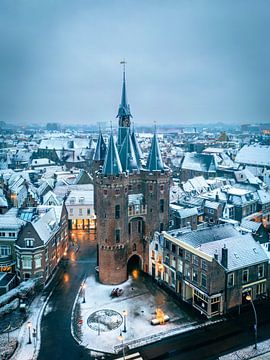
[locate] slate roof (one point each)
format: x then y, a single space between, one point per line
100 151
264 197
127 155
250 225
184 212
9 220
211 204
112 164
254 155
243 251
154 161
213 233
199 162
48 223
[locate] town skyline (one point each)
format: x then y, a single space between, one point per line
186 62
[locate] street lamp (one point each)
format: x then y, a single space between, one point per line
29 324
125 314
121 338
83 289
249 298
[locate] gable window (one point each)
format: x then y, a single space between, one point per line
80 212
29 243
230 280
71 211
260 271
245 276
117 211
117 235
88 212
173 248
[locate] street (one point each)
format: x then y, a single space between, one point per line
56 340
205 343
211 342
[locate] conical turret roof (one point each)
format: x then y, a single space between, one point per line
100 151
112 164
154 161
127 155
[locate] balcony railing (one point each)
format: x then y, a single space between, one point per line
137 210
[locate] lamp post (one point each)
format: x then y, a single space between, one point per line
121 338
125 314
249 298
83 292
29 324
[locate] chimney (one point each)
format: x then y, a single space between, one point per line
224 256
216 255
217 197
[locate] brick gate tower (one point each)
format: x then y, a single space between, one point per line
131 200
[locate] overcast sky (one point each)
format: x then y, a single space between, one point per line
187 61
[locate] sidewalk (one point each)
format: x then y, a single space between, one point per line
26 350
261 353
98 319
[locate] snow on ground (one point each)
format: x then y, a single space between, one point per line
140 299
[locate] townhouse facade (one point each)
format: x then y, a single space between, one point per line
42 243
213 269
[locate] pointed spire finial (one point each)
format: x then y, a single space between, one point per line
123 62
124 114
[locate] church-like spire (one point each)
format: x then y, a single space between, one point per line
124 114
154 161
100 151
112 164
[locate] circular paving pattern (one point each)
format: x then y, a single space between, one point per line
104 320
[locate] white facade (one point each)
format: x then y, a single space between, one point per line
80 208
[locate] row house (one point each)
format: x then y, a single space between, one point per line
42 243
10 227
213 269
80 208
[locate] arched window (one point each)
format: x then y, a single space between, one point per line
134 247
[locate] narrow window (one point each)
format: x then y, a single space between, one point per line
117 235
117 211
